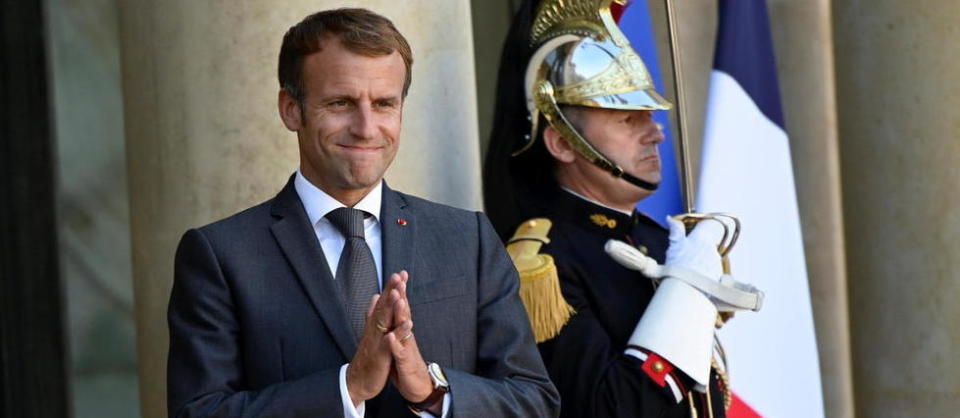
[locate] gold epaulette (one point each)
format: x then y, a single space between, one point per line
546 308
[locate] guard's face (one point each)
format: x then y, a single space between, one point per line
349 127
628 137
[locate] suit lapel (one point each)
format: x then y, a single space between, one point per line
399 229
296 238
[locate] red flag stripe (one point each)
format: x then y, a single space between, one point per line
740 409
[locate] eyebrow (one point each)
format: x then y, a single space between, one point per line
337 97
389 98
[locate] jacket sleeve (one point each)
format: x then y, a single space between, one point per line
510 379
594 375
205 375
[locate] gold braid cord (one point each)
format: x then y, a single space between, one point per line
725 383
708 397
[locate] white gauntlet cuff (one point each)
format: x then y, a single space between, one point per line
679 325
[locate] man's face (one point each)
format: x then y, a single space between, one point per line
629 138
349 127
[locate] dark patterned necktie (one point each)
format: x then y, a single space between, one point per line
356 272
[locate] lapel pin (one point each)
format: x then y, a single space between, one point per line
401 222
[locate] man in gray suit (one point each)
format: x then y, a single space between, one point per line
278 310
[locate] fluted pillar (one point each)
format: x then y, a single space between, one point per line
897 92
204 139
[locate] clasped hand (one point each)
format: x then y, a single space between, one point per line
694 260
388 349
697 251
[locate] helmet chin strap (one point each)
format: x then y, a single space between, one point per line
615 170
643 184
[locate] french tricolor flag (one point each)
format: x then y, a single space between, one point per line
746 170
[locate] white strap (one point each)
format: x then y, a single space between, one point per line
735 296
727 294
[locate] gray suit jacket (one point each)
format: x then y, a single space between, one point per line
256 328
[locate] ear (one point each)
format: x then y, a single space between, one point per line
558 147
289 109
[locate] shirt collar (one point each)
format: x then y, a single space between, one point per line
318 203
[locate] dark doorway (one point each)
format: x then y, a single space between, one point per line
32 363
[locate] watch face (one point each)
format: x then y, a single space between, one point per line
438 375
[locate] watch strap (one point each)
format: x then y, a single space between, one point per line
440 388
435 397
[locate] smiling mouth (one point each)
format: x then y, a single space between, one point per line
359 148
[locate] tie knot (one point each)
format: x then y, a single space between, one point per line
348 221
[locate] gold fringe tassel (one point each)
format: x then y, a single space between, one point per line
546 308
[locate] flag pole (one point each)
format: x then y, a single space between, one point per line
686 176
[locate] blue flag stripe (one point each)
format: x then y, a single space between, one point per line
745 52
636 25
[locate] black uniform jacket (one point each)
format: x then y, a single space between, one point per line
586 360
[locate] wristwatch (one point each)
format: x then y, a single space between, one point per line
440 388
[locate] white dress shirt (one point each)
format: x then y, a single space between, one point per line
318 204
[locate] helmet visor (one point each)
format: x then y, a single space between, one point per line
645 99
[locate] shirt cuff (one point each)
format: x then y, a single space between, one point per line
349 411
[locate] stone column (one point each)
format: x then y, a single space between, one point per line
204 139
803 42
897 93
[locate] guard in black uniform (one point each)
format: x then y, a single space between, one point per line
587 359
573 149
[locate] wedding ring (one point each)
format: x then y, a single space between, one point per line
382 328
406 337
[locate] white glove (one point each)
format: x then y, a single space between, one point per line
678 324
698 251
694 260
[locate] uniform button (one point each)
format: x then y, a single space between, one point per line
658 367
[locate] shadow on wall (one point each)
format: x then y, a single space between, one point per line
92 208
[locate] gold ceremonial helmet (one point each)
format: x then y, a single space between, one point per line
583 59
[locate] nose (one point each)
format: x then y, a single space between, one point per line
657 136
651 131
364 124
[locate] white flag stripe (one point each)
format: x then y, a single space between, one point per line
747 171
